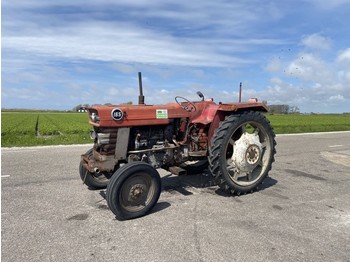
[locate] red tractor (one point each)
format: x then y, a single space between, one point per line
234 141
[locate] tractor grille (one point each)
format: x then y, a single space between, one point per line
105 141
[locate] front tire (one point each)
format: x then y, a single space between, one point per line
133 190
242 152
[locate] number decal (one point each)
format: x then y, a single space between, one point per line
117 114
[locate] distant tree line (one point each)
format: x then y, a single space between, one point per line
78 107
283 109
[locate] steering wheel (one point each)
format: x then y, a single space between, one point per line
185 107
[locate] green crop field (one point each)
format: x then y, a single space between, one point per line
43 128
286 124
28 128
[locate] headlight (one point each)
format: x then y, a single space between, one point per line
93 134
94 117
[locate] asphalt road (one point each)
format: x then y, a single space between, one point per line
301 212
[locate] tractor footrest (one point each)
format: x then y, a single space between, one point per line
177 171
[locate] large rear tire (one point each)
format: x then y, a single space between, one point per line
133 191
242 152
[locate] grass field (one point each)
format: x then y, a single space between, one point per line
43 128
28 128
286 124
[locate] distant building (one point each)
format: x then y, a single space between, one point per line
82 110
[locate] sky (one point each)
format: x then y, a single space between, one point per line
58 54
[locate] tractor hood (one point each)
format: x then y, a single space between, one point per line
134 115
140 115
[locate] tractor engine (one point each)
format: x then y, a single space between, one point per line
159 145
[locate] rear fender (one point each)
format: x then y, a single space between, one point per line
229 109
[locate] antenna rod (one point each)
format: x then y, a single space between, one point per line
141 97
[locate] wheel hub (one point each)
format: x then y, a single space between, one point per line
136 192
252 154
247 152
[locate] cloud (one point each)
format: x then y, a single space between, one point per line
310 67
316 41
274 65
161 32
337 98
122 43
316 98
344 56
331 4
314 79
124 68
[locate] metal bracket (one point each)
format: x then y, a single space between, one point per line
121 145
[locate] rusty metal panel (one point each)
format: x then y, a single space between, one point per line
121 145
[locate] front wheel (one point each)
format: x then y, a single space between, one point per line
242 151
133 191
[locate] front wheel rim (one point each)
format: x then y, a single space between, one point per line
137 192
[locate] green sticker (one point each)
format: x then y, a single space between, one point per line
162 113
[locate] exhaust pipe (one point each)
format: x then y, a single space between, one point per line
141 97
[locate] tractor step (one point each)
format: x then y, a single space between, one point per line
177 171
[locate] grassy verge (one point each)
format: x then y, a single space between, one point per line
31 140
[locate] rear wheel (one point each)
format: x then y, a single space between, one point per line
242 151
93 180
133 190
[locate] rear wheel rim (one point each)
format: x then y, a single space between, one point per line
254 156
